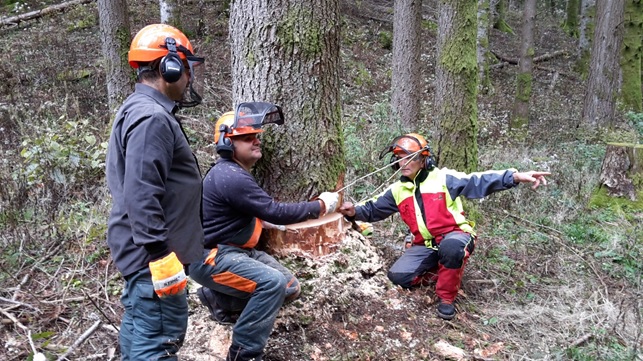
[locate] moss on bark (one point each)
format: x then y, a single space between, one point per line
631 51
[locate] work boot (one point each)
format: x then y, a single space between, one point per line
237 353
217 314
446 310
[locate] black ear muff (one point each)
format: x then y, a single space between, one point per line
224 144
429 160
171 66
393 161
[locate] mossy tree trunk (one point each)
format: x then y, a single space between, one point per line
571 20
115 39
603 82
287 52
405 77
456 85
520 119
631 56
622 170
585 34
482 46
500 22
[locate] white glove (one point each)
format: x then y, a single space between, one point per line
330 200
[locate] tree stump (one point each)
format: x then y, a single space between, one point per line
622 170
318 237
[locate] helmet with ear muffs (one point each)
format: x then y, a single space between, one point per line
408 144
249 118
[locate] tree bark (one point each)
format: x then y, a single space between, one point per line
571 21
482 46
631 53
456 85
500 22
405 79
520 118
287 52
115 40
603 84
622 170
585 34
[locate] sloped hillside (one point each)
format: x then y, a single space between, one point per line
556 274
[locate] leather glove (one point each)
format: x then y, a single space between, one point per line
168 276
330 200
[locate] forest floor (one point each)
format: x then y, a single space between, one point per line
530 292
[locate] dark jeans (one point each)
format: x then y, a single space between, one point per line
152 328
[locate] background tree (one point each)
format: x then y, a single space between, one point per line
287 52
520 118
500 13
170 12
571 20
456 85
482 46
602 86
631 55
115 39
585 34
405 77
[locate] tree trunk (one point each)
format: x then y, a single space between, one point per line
115 39
600 99
171 12
571 21
482 46
520 118
585 34
315 237
456 85
631 52
287 52
622 170
405 78
501 14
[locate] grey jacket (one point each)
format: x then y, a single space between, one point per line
155 184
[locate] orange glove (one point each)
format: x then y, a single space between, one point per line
168 276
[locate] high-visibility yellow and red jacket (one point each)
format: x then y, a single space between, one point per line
430 204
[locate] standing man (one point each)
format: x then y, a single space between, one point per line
154 229
238 278
427 199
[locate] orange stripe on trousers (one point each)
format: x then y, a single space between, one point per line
235 281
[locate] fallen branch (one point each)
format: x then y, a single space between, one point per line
581 340
538 59
80 340
15 20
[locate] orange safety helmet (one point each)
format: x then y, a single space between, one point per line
226 122
409 143
149 44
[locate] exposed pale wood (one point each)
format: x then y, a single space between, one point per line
623 163
15 20
316 236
